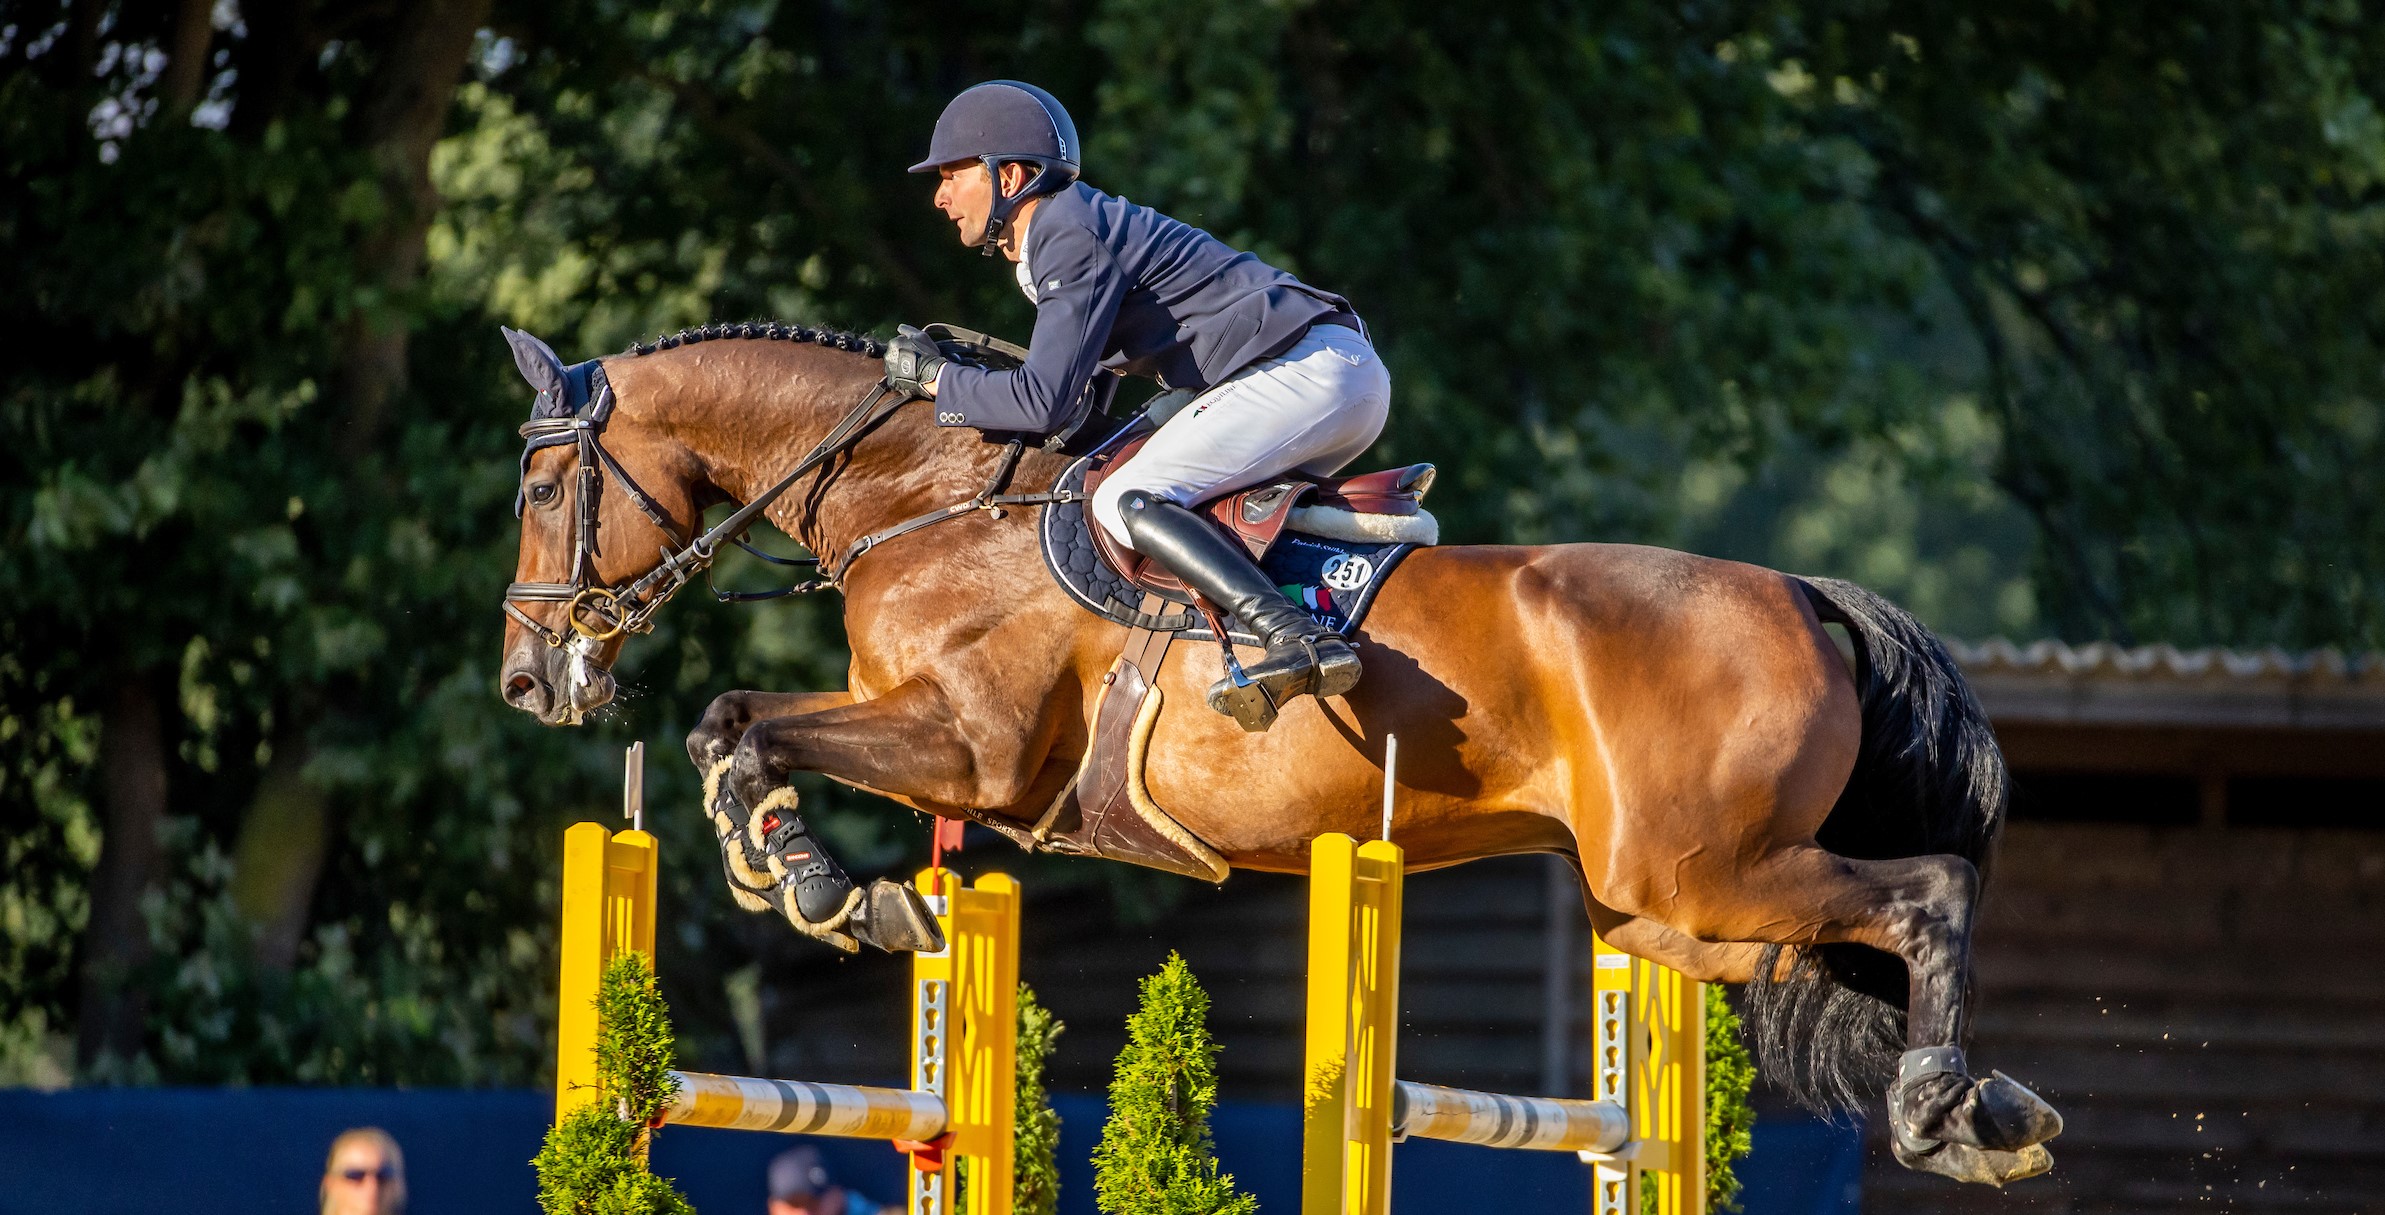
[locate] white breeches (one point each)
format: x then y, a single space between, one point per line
1314 408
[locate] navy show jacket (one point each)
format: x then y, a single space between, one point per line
1124 288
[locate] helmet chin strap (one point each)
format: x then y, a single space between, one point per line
997 218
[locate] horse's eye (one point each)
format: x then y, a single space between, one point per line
543 492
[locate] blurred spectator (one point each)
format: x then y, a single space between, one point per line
365 1174
800 1185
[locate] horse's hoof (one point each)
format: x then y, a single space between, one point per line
1997 1114
2011 1117
839 930
1980 1166
896 919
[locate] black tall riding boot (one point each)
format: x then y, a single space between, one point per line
1303 657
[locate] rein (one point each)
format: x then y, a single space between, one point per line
630 609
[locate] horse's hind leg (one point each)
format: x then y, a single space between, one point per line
1704 961
1919 909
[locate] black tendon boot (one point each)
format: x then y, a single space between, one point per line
813 892
741 859
1303 657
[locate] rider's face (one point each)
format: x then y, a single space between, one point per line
965 193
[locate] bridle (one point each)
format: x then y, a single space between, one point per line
598 611
619 609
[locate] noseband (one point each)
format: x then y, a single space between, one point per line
601 611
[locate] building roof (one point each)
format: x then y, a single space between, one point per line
2050 682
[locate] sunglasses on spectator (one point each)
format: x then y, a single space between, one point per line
357 1176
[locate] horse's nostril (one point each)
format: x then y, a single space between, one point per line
519 685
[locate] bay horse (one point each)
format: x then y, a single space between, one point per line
1741 804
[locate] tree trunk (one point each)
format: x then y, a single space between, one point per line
72 58
279 855
403 116
187 60
285 835
132 759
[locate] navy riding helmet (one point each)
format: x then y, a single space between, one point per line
999 122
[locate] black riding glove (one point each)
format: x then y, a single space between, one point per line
912 361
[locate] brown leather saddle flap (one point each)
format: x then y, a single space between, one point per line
1105 811
1257 515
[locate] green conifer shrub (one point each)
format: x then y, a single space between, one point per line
1035 1130
1155 1155
1035 1164
1730 1119
594 1161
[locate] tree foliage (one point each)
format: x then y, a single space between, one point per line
1035 1164
594 1160
1155 1156
2040 318
1730 1117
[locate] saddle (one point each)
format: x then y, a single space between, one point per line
1329 542
1361 508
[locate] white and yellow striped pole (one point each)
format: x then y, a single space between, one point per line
799 1107
1551 1124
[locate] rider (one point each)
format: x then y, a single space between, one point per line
1285 376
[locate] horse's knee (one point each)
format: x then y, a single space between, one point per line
752 770
717 733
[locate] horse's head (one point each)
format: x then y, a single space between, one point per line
604 496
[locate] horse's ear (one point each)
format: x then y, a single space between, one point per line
536 359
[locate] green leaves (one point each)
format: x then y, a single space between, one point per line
2040 319
594 1161
1035 1164
1730 1119
1155 1155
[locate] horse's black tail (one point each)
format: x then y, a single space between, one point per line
1928 779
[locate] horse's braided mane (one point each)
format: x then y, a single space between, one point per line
776 331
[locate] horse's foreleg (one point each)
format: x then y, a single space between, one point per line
710 746
907 743
725 721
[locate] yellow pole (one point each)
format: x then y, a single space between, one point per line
1351 1054
608 907
1614 1182
964 1041
964 1024
1325 1070
1650 1031
1671 1105
1650 1064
